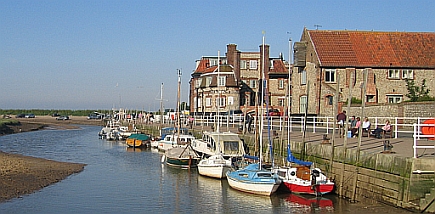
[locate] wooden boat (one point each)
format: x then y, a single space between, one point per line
182 157
138 140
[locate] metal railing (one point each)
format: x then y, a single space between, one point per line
401 126
418 135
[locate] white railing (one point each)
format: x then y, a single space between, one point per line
418 135
325 125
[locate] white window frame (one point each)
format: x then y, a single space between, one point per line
220 101
208 101
407 74
199 102
253 83
396 98
222 81
213 62
281 83
253 64
208 81
198 82
281 101
242 64
393 74
302 104
304 77
230 100
330 75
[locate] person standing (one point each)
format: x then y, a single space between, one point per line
341 118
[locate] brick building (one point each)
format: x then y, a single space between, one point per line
323 58
236 82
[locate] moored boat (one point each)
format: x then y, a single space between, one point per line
215 166
183 157
138 140
227 144
254 179
303 179
174 140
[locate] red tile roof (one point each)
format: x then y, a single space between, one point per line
374 49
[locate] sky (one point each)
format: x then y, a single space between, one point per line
103 54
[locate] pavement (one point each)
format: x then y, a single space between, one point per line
402 145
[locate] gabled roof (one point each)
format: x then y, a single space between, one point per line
278 67
374 49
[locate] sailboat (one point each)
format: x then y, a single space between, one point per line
182 155
218 148
254 178
303 179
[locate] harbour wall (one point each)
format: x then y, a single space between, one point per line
359 175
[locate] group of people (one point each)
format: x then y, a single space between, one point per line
355 123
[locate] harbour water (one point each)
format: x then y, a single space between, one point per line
121 180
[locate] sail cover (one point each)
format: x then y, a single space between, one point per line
293 159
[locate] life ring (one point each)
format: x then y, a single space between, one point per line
429 130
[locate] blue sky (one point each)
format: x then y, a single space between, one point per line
99 54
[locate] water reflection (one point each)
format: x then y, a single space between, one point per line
120 180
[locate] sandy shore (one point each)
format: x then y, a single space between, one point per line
21 175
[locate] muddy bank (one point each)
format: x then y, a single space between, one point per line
21 175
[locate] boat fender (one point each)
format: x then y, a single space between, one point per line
163 159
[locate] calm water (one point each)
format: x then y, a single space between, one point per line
118 180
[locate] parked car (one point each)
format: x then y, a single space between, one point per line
20 116
29 116
62 118
94 117
274 112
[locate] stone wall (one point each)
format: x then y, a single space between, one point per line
405 109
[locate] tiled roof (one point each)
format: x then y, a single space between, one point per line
203 67
374 49
278 67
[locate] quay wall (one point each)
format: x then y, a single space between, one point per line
387 178
404 109
384 177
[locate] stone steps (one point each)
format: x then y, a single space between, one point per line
427 204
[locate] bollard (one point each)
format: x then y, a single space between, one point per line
387 147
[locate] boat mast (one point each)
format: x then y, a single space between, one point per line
262 109
219 94
178 103
161 107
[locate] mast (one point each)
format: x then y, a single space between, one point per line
178 103
161 107
261 103
219 94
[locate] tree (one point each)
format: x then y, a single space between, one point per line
418 93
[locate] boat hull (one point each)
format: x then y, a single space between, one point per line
215 171
318 189
253 187
182 162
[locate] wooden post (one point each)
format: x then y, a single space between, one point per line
346 125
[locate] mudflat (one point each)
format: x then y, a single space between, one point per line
21 175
